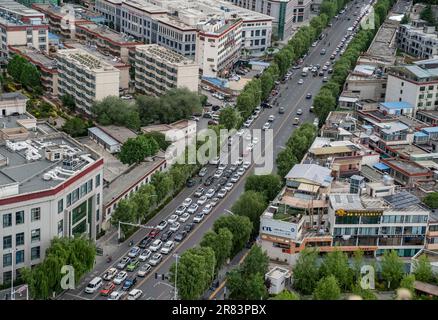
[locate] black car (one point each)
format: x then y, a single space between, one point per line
199 192
207 115
215 108
228 173
180 236
145 242
166 236
209 181
188 227
190 183
222 181
266 105
207 104
309 96
233 167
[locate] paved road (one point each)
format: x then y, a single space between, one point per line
292 97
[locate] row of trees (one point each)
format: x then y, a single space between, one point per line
325 101
135 150
260 88
45 278
296 147
328 278
174 105
25 73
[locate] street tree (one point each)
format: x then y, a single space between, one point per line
335 264
392 269
163 184
221 243
269 185
306 272
423 269
243 287
286 159
327 289
240 227
256 261
229 117
286 295
250 204
126 211
135 150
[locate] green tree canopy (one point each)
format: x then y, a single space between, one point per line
135 150
431 200
423 269
250 204
335 263
392 269
221 243
229 118
113 110
269 185
75 126
286 295
240 227
327 289
306 272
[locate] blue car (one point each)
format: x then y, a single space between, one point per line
129 283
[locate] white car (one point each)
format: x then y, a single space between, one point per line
193 208
214 202
240 132
246 164
172 218
115 295
175 226
222 166
207 209
156 245
255 140
271 118
145 255
299 112
180 210
218 174
156 259
144 270
247 124
248 137
168 246
239 161
210 193
315 44
110 274
235 178
121 276
198 218
162 225
222 192
187 202
135 294
229 186
214 160
135 251
301 81
266 126
202 200
184 217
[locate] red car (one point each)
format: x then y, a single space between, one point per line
106 291
154 233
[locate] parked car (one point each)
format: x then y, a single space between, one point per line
180 236
166 236
184 217
281 110
110 274
180 210
123 263
207 209
172 218
135 251
145 254
214 201
235 178
156 245
193 208
156 259
198 218
162 225
190 183
175 226
168 246
199 192
135 294
210 193
299 112
246 165
222 192
187 202
115 295
202 172
218 174
309 96
229 186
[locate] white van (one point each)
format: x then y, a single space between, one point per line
94 285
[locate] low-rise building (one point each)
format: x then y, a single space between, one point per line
339 125
407 172
418 39
366 82
110 137
158 69
86 78
13 103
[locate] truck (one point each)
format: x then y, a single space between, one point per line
305 71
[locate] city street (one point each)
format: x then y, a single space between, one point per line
292 97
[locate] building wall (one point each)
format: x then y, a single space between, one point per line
107 84
8 107
188 77
417 43
368 89
54 220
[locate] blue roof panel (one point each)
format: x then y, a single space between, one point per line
381 166
397 105
430 130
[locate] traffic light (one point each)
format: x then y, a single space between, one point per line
162 277
156 275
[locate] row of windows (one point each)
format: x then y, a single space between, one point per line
78 193
417 230
383 219
19 239
35 253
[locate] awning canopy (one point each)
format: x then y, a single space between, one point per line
308 187
381 166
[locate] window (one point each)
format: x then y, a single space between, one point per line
83 190
7 242
60 227
89 186
98 199
35 253
68 199
19 256
7 260
422 88
60 205
35 214
35 235
19 239
19 217
97 215
7 220
97 180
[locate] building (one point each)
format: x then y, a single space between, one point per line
86 78
51 186
29 3
13 103
110 137
339 125
287 15
407 172
418 39
158 69
46 66
416 84
279 278
396 108
21 26
366 82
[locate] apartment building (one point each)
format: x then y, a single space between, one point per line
158 69
418 39
416 84
287 15
21 26
366 82
45 64
51 186
86 78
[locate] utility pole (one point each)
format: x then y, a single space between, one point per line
131 224
176 276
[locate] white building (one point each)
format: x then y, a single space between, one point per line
50 186
418 39
21 26
12 103
287 14
86 78
416 84
158 69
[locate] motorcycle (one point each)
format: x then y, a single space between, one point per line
109 259
131 243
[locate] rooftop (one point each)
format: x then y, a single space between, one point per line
86 60
91 49
31 169
13 13
383 42
409 167
36 57
120 134
397 105
105 32
392 127
430 113
164 54
311 172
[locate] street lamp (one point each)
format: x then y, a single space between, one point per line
133 225
176 275
228 211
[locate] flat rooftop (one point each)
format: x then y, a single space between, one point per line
164 54
120 134
383 43
13 121
430 113
407 150
408 166
37 57
105 32
17 8
86 60
27 165
111 60
371 174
